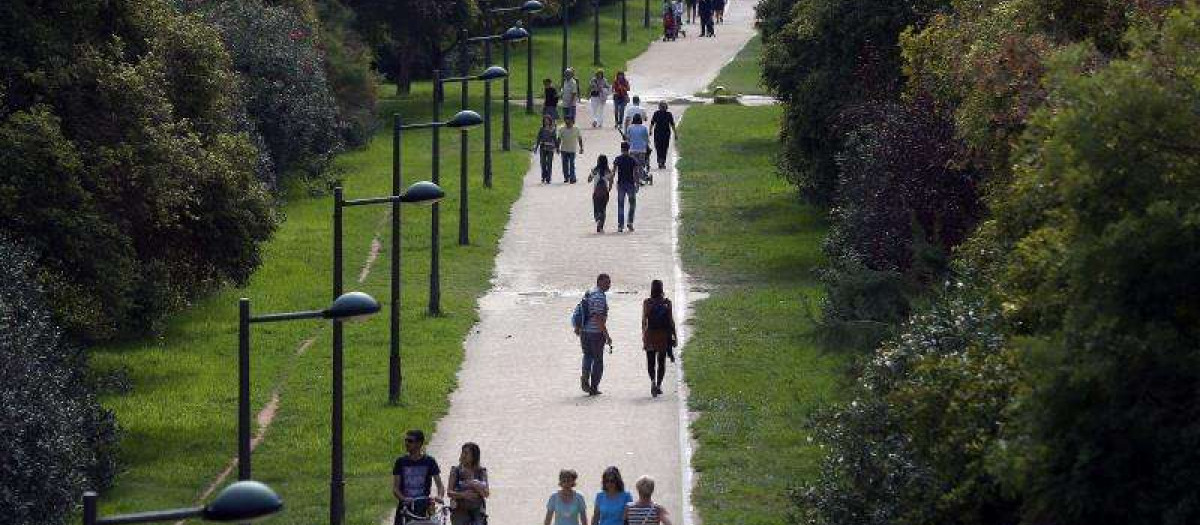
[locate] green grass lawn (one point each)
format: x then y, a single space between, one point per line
179 419
753 367
743 74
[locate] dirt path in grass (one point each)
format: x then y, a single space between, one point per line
518 395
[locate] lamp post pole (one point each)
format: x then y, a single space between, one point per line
506 136
395 366
337 483
435 235
463 213
487 115
565 12
646 19
529 68
244 389
624 21
595 32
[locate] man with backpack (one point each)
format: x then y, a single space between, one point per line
591 325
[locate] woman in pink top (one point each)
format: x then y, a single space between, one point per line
620 90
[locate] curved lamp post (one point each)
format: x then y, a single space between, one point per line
463 119
346 307
488 75
595 32
529 8
419 193
244 501
513 33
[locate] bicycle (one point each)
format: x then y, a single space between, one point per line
438 512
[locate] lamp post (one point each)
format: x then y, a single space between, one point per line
595 32
512 34
646 20
464 119
241 501
419 193
564 11
488 75
624 21
346 307
529 7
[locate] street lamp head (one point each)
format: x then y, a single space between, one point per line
243 502
492 73
423 192
464 119
353 306
514 34
532 6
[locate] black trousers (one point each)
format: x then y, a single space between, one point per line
661 143
656 365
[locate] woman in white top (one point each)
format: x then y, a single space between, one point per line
645 511
598 90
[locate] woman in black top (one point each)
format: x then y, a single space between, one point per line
662 125
602 177
549 100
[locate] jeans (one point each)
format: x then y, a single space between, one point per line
593 357
600 209
569 111
550 111
619 106
568 166
547 158
623 191
655 357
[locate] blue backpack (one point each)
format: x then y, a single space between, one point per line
580 315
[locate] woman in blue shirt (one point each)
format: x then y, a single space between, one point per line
610 502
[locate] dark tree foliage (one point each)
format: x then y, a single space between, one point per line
1097 246
412 37
121 162
833 54
57 440
901 206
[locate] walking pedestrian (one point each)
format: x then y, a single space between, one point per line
545 145
706 17
570 143
549 100
570 93
719 10
620 87
412 477
633 110
662 126
593 334
638 136
566 507
468 488
609 508
601 189
691 11
598 90
645 511
677 12
627 186
658 335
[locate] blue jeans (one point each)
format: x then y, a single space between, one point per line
623 191
547 158
593 357
568 165
619 108
569 111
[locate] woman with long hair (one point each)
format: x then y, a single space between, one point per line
609 508
602 179
468 488
620 91
598 90
658 335
546 144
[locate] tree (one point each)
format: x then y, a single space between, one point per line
412 36
122 166
57 439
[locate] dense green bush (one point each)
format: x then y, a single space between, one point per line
283 83
57 439
348 70
121 164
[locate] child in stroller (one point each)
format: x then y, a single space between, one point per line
672 20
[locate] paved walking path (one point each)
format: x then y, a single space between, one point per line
518 392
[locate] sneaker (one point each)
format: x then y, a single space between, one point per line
583 383
620 229
630 228
595 392
653 391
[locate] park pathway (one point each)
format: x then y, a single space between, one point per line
518 392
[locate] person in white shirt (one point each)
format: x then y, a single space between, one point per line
570 94
634 109
598 90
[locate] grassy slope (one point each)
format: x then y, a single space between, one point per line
741 76
180 418
754 370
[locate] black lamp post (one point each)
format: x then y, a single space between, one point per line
513 33
346 307
624 21
489 74
646 20
243 501
464 119
595 32
529 7
419 193
564 11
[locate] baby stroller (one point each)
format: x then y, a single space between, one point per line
670 25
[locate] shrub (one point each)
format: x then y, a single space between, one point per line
58 441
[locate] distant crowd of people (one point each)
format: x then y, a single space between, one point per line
464 496
631 168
